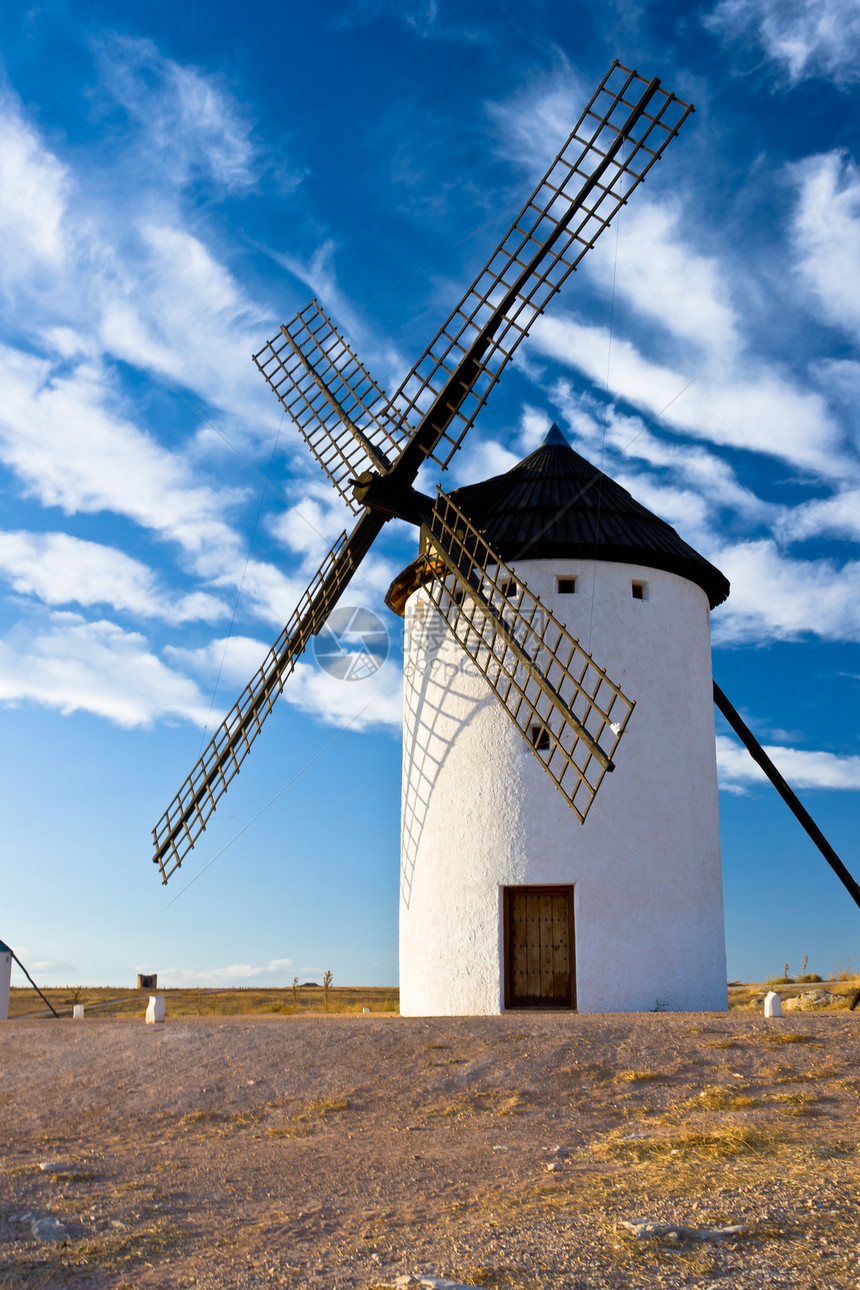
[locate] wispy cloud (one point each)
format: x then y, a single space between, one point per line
40 968
372 702
826 235
669 282
33 192
748 406
318 273
103 462
427 19
188 121
805 38
836 516
706 481
532 123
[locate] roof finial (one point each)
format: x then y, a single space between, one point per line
554 438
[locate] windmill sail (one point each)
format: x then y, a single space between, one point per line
351 429
332 398
566 707
622 132
187 816
340 410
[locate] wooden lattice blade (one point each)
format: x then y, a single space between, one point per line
623 131
332 398
570 713
187 816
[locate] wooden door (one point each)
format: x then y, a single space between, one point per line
539 958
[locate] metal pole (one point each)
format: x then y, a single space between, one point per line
759 755
33 984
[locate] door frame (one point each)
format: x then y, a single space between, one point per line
549 889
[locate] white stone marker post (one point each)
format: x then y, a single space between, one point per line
78 1014
155 1009
5 979
772 1004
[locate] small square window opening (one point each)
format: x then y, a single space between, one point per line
639 590
508 588
540 738
567 586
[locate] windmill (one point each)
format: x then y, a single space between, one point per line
371 448
552 696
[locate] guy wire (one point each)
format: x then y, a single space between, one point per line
603 435
271 802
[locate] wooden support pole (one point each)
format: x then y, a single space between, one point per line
759 756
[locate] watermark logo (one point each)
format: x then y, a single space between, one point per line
353 644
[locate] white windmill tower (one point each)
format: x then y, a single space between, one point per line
549 693
507 899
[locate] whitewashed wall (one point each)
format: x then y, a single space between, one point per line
479 813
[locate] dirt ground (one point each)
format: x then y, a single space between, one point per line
352 1150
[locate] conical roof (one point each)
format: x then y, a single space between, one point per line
555 503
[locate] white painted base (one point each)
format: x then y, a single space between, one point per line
5 980
480 814
155 1008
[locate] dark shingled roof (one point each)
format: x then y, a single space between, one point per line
555 503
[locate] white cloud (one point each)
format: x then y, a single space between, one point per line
33 191
135 286
40 968
826 235
801 768
616 439
235 658
319 275
311 527
666 280
533 123
774 597
746 407
73 449
73 666
189 121
836 516
61 436
481 459
373 703
103 263
62 570
533 429
805 37
100 264
240 972
173 309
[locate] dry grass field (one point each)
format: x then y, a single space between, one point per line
304 1000
234 1151
105 1001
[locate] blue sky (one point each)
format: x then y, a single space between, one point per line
176 182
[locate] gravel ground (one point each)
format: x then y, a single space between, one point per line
501 1151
